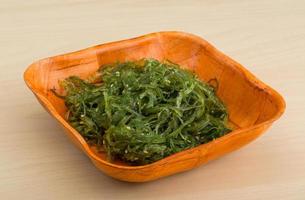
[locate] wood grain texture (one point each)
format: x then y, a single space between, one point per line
252 105
268 37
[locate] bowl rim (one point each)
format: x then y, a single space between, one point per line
254 81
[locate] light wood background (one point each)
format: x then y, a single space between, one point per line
38 162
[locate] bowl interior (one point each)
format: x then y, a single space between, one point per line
248 100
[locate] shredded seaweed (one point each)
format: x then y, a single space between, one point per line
140 112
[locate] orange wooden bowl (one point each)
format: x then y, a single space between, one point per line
253 106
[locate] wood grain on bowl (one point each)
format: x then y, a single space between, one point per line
252 105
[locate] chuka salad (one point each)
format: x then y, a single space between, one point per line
142 111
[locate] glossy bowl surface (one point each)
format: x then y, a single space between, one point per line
253 106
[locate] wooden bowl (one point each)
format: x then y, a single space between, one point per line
253 106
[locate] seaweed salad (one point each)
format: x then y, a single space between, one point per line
142 111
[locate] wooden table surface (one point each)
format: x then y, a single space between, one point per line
37 161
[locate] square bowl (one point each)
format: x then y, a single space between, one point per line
252 105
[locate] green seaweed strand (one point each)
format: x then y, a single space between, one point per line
144 111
